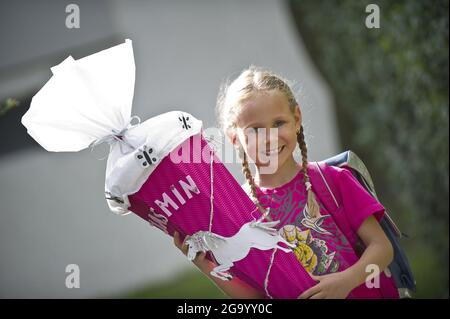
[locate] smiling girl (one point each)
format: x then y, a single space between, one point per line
262 119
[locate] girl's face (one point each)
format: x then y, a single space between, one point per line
266 128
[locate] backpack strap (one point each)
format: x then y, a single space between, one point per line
323 186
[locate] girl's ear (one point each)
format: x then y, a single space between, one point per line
232 136
234 139
239 139
298 117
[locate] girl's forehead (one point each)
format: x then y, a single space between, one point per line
262 108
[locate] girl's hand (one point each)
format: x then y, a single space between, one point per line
200 261
331 286
235 288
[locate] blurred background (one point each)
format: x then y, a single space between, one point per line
380 92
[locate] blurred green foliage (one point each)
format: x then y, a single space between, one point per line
192 285
391 91
9 104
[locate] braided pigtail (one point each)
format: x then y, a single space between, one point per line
250 181
313 207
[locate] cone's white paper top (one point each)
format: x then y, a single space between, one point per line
88 101
84 100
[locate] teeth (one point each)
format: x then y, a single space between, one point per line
274 151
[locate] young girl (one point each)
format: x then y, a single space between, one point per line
259 99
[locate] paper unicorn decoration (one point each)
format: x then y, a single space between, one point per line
227 250
163 170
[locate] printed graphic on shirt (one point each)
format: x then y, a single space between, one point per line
314 222
321 247
311 252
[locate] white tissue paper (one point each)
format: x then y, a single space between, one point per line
87 102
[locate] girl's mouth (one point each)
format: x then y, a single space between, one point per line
274 151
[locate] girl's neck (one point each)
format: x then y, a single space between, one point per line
283 175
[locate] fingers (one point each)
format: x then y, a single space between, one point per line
177 240
310 292
181 245
200 257
313 292
318 296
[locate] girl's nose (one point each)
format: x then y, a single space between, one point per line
271 136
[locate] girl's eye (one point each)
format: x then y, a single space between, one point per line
279 123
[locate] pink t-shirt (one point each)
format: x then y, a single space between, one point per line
322 247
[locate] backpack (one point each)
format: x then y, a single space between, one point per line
399 267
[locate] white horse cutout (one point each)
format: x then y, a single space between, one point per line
227 250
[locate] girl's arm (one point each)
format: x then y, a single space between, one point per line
379 251
234 288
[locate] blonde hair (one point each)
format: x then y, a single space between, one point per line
229 102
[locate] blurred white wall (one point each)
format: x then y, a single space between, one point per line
52 210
